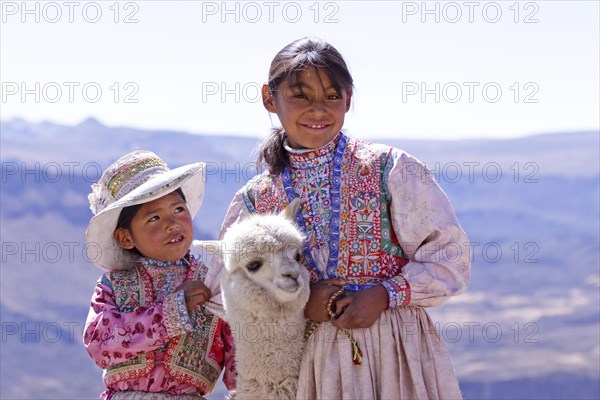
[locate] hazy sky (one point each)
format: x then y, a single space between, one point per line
451 70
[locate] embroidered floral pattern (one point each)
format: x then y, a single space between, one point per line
166 276
313 184
128 294
367 250
188 355
129 331
134 368
177 319
398 291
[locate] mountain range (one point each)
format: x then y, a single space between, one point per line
528 327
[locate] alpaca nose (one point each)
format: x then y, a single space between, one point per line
293 275
291 272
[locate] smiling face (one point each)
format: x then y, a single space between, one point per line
309 107
161 229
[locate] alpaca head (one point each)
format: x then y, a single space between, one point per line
262 254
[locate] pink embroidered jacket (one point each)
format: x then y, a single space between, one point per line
139 331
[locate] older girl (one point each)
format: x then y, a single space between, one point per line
383 241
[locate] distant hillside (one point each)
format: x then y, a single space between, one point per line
529 326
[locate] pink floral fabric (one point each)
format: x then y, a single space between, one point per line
114 336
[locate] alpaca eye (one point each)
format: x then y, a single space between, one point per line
298 257
254 265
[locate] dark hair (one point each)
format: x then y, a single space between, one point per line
303 53
127 214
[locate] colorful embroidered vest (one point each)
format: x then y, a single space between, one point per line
366 246
189 358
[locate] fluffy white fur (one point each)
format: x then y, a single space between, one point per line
265 305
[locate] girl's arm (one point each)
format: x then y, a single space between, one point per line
430 235
111 336
236 211
432 239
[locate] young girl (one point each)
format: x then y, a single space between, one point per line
383 241
147 326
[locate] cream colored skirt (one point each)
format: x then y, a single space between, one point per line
403 358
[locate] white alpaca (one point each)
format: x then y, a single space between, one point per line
265 289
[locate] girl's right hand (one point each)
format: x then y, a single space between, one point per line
195 292
320 293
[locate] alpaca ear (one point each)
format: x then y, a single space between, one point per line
291 209
210 247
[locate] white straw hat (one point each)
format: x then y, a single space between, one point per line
136 178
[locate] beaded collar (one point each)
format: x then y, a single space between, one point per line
339 145
306 158
166 276
150 262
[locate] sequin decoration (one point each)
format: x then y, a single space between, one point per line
127 173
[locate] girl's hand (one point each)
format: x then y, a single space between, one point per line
195 292
360 309
320 292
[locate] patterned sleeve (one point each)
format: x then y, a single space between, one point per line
241 205
112 337
237 210
430 235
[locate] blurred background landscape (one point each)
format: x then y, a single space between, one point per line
499 99
528 328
